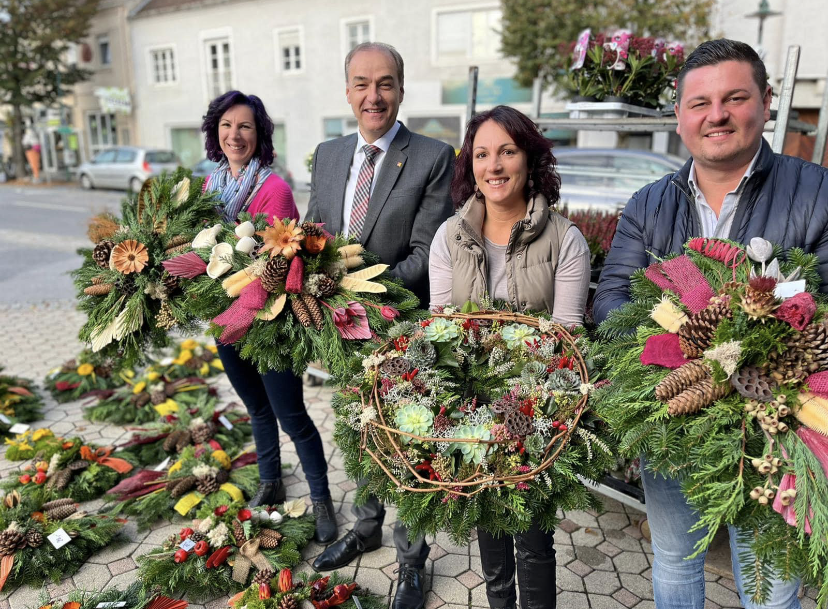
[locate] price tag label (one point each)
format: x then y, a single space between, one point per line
187 545
5 419
225 421
59 539
19 428
163 465
789 288
111 605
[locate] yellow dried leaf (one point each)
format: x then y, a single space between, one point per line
370 272
276 308
361 285
236 282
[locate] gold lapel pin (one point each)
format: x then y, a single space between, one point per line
399 164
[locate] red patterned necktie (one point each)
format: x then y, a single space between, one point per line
362 194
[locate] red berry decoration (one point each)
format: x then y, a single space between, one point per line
221 510
40 477
556 424
24 479
201 548
244 514
180 555
563 427
185 533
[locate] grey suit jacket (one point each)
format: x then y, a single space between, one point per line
410 200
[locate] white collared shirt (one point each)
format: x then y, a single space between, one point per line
711 225
356 164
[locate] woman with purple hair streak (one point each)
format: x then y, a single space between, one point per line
239 136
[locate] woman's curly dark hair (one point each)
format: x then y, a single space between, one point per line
264 126
527 137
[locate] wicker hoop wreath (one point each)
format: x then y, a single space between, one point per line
384 434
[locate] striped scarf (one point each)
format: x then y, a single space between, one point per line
236 192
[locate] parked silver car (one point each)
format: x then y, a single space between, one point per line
126 167
607 177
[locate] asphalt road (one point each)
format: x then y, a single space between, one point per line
41 229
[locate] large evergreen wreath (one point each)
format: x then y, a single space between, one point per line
288 294
479 420
88 373
19 403
709 385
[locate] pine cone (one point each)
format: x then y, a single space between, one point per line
62 478
697 396
518 423
170 282
140 400
697 334
751 382
311 229
208 356
176 241
327 287
57 503
264 576
103 371
34 538
207 485
178 248
61 512
101 253
181 486
797 361
269 539
396 366
222 476
815 337
169 442
202 433
758 299
288 602
315 310
197 536
681 378
78 465
102 289
158 397
183 441
275 273
11 542
238 533
301 311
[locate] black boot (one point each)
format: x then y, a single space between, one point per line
269 493
326 529
410 589
346 549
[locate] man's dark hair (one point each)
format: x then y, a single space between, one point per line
715 52
527 137
264 126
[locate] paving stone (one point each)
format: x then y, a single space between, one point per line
564 555
478 597
379 558
708 604
721 595
122 566
608 549
587 537
601 582
561 537
631 562
447 589
573 600
599 601
433 601
113 552
451 565
633 531
729 584
709 576
92 577
648 574
579 568
567 580
613 520
568 525
218 603
637 585
470 579
374 580
24 596
593 558
622 540
626 598
808 603
581 518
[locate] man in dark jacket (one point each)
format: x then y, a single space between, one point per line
733 187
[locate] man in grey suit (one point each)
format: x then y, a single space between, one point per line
389 188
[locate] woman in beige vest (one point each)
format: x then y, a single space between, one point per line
507 243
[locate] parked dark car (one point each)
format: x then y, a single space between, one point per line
205 167
607 177
126 167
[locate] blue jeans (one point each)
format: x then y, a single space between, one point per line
679 583
270 399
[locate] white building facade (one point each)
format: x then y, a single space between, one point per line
291 53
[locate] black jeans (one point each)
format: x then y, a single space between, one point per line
535 568
270 399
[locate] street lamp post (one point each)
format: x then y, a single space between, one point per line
763 13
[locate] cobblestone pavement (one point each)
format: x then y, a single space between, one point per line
603 561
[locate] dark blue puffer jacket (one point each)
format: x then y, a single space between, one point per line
785 201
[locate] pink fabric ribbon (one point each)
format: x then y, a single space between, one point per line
663 350
238 318
683 278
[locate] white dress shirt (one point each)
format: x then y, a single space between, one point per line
356 164
711 225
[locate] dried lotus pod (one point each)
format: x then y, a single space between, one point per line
751 382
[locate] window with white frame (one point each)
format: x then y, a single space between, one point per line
337 127
103 132
357 32
290 50
162 66
103 50
219 71
468 35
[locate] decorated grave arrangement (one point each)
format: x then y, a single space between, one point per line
48 541
289 293
148 397
478 419
200 477
284 590
82 471
228 547
122 287
40 443
722 385
133 597
191 358
226 429
87 374
19 403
